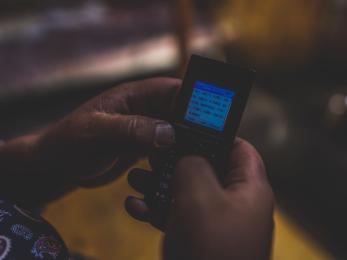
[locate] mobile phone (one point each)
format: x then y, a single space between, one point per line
206 117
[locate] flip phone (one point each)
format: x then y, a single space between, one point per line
206 117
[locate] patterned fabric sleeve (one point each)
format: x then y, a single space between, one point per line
27 236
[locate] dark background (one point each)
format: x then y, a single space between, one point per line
297 112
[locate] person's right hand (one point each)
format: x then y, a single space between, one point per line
92 145
208 221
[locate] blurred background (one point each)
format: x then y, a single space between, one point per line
54 55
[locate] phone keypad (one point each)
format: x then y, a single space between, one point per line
163 194
187 144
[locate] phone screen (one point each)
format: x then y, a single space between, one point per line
209 105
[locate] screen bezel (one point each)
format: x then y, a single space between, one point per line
218 74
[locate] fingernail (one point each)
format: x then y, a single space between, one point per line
164 135
138 202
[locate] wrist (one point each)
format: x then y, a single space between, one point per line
24 176
17 166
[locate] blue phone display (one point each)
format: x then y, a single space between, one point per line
209 105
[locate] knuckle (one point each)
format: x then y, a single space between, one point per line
132 126
256 161
139 129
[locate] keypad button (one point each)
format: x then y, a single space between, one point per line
164 185
213 156
172 153
169 166
167 175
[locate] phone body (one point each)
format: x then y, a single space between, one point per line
206 117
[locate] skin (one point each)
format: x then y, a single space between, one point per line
91 146
213 221
96 143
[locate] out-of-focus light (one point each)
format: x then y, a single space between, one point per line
337 104
227 29
278 132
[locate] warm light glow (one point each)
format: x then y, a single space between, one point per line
337 104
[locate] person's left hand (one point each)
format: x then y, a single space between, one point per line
99 140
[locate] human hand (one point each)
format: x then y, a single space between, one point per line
107 134
95 143
211 221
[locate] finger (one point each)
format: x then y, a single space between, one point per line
137 208
138 131
153 97
121 166
245 164
194 177
140 180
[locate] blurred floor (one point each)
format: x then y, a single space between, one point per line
292 242
94 222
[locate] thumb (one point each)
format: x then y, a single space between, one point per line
194 179
245 165
137 130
